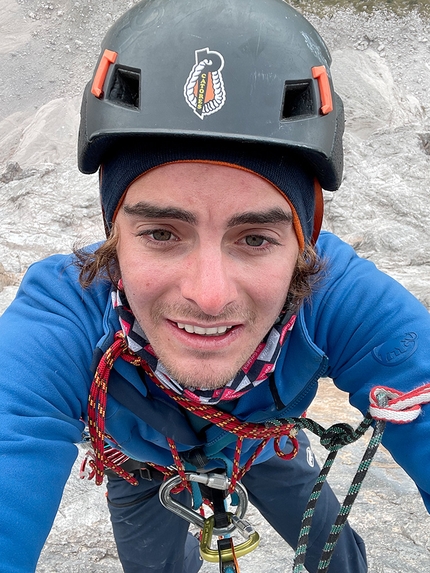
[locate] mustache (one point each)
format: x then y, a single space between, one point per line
181 312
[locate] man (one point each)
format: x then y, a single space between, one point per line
213 127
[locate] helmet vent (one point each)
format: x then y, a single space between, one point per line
298 100
125 87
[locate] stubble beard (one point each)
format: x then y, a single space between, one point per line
205 377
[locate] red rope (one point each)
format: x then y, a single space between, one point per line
242 430
226 421
179 468
97 414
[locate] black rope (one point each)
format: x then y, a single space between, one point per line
353 491
333 439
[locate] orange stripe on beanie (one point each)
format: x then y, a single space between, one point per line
133 158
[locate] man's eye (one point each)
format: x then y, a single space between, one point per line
161 235
254 240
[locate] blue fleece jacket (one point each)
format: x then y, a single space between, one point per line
361 328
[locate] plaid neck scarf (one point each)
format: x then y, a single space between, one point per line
257 368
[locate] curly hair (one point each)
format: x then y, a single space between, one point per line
102 264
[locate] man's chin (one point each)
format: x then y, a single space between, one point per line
204 384
201 378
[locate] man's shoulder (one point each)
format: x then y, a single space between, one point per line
342 261
352 286
329 244
55 279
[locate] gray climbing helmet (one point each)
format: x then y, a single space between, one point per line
249 71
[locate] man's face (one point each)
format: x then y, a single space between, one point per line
206 254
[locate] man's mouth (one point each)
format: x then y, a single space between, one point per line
211 331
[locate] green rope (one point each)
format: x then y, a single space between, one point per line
333 439
353 491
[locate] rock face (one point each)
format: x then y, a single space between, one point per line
381 70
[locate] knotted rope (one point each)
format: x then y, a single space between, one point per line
333 439
103 457
386 405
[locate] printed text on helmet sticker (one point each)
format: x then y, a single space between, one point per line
204 90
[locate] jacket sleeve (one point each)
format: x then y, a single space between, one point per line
374 333
47 337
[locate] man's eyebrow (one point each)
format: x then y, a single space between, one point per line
148 211
275 215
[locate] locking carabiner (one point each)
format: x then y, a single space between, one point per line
232 552
214 480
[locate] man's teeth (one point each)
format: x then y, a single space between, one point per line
212 331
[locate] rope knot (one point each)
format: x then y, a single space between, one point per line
337 436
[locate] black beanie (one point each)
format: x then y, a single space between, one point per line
133 158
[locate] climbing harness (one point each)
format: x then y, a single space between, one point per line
213 488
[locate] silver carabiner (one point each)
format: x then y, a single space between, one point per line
217 481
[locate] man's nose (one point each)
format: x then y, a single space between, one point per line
209 280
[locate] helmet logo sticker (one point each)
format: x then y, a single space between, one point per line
204 90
